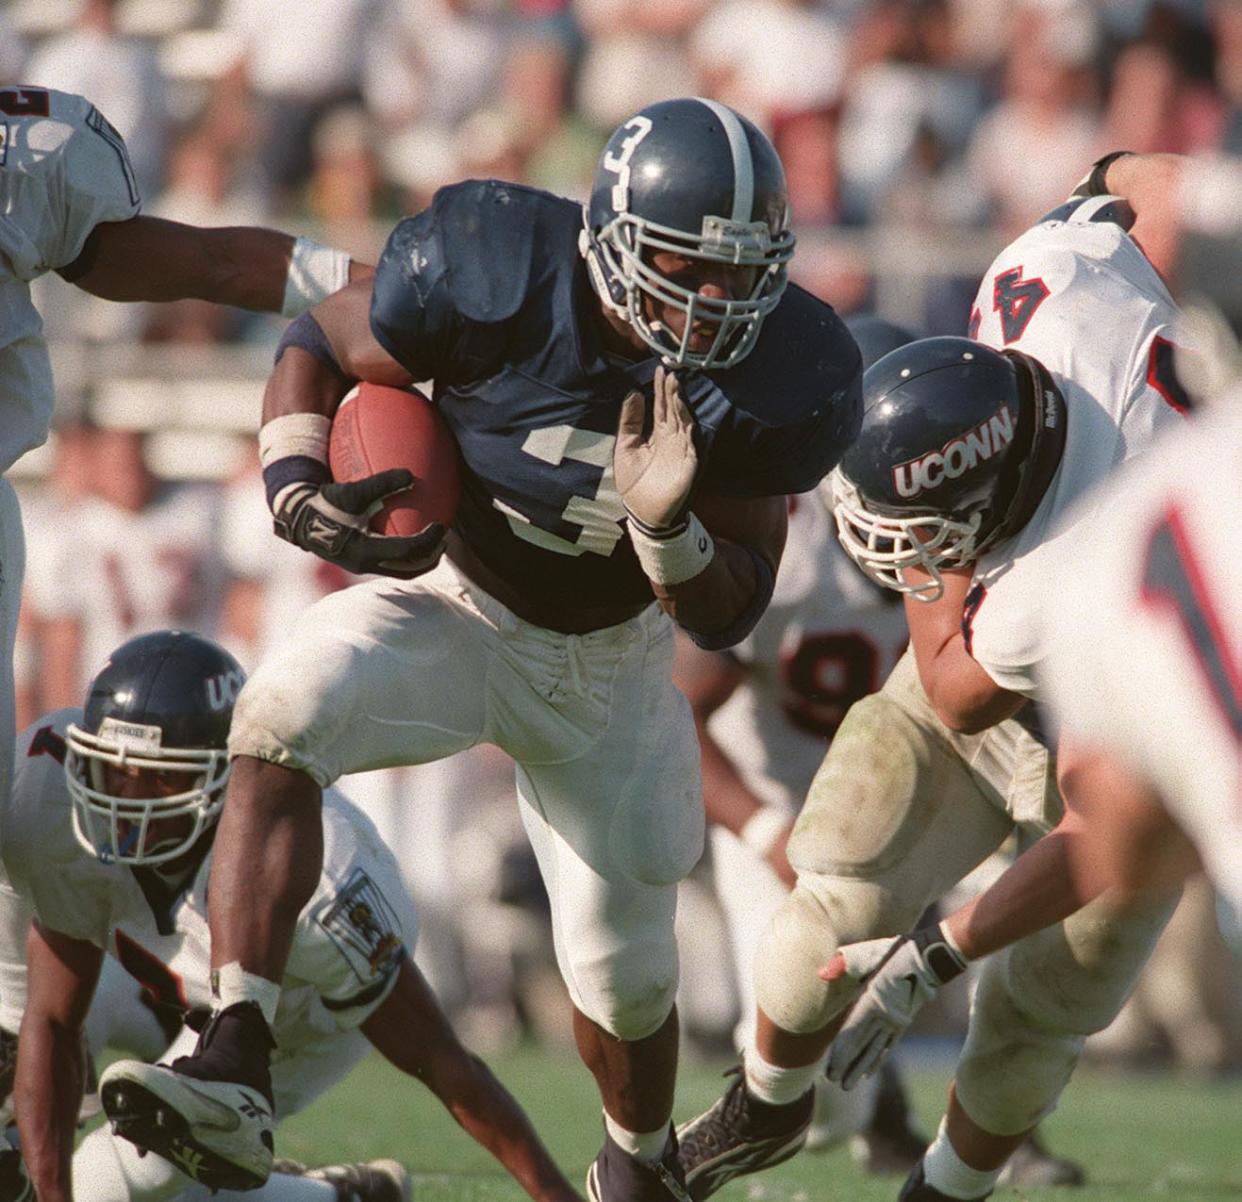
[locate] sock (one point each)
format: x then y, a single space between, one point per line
946 1171
642 1145
775 1085
232 984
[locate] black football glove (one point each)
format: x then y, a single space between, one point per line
332 521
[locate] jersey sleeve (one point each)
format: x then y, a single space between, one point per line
452 278
98 185
351 940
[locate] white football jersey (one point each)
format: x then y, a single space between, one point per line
1079 296
122 574
346 949
1145 635
828 638
63 170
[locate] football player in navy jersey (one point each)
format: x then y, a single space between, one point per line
635 389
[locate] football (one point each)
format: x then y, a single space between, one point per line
377 428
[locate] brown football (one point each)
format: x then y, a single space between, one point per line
377 428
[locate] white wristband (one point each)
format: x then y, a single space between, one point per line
304 434
762 829
677 558
314 272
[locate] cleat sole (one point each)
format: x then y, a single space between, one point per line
151 1125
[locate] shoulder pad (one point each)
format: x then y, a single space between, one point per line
453 274
793 405
484 233
1081 210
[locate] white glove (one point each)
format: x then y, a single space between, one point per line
901 976
654 475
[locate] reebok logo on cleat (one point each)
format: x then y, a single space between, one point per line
253 1109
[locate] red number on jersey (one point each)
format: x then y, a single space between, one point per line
825 675
25 102
1162 375
1016 300
1173 581
48 742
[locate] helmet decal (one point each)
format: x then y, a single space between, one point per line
620 161
958 456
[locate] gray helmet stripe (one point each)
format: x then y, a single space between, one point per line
743 166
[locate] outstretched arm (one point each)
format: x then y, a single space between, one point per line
48 1086
1151 184
411 1032
150 259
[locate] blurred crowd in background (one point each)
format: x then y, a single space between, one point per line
918 137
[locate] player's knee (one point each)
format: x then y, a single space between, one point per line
822 913
631 994
275 724
1013 1068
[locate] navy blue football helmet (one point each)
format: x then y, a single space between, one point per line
161 704
694 177
958 445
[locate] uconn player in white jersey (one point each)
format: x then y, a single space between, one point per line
954 493
69 204
107 840
1144 671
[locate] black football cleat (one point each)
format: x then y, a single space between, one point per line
211 1113
616 1176
916 1189
1032 1166
740 1135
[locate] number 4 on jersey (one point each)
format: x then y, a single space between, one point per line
1016 300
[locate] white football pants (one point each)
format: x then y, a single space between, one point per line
392 672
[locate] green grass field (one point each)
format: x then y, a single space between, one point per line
1140 1136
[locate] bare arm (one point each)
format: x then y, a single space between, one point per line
150 259
708 679
411 1032
48 1086
300 383
964 696
1151 185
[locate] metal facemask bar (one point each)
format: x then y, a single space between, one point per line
623 244
98 814
886 547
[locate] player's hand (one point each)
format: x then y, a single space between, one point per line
901 976
778 858
654 475
332 521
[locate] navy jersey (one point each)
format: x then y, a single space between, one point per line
485 294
